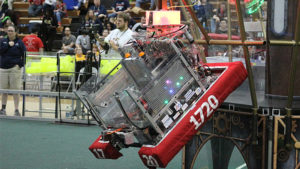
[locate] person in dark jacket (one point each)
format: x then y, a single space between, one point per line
48 30
200 11
12 53
99 10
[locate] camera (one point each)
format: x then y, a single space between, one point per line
90 30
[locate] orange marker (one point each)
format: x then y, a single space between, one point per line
141 54
127 55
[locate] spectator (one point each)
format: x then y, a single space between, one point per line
48 30
215 20
32 42
90 3
60 11
110 25
68 41
12 15
49 6
80 59
99 10
83 41
222 11
223 28
35 7
12 51
208 11
200 12
79 4
5 5
105 33
138 27
96 52
79 56
6 21
138 3
90 20
119 6
120 36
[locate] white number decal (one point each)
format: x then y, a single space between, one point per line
151 161
193 120
208 110
212 99
99 153
210 106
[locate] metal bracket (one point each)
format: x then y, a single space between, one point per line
266 111
231 107
274 112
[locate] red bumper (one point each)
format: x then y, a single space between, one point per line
104 150
162 153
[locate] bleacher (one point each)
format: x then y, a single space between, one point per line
21 9
73 17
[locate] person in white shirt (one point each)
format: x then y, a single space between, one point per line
120 36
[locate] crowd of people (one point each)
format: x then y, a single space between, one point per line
95 19
209 16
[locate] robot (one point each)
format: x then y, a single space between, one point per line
162 95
